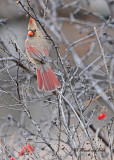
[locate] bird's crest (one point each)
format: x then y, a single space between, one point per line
33 29
31 20
32 24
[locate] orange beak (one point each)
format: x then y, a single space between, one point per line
30 33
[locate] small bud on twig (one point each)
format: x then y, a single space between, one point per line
17 2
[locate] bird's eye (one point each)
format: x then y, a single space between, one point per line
34 31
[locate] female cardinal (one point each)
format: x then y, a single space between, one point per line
37 52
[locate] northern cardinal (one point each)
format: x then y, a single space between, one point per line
37 52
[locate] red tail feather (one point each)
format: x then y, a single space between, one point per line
47 80
47 83
53 80
39 80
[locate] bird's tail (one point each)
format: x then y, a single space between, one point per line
46 80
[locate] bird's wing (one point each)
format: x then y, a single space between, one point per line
38 53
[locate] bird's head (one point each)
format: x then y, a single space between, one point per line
33 30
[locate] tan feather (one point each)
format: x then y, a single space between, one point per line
37 52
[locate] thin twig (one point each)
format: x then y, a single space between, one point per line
104 59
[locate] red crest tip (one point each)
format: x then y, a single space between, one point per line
31 20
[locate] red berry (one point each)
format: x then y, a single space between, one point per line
21 153
11 158
30 147
101 116
24 148
104 115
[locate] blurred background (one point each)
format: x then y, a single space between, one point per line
71 25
